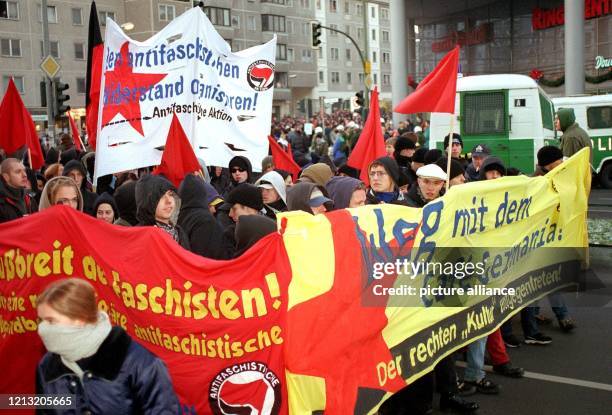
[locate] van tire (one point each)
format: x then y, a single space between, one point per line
605 176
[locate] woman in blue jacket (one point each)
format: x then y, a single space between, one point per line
99 364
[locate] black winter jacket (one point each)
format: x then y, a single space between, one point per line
15 203
122 377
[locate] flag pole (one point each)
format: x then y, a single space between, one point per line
449 150
30 158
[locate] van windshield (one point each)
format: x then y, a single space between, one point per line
546 108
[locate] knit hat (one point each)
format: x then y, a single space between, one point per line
419 155
492 163
403 143
432 171
319 174
548 155
456 168
247 195
456 140
108 199
390 167
348 170
432 156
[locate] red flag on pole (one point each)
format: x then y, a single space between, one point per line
17 127
435 93
178 159
95 54
371 143
75 133
282 159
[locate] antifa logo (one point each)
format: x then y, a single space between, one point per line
260 75
249 388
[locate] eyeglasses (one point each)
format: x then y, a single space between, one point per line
377 173
238 169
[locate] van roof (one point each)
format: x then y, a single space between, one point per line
584 99
489 82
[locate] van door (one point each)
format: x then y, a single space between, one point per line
525 127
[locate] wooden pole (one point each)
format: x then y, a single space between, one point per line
449 150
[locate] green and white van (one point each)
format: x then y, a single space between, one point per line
594 115
510 113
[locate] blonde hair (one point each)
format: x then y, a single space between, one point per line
53 170
72 297
49 192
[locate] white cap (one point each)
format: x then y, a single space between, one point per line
352 124
340 127
318 130
418 129
432 171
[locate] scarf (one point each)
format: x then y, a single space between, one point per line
74 343
387 197
171 230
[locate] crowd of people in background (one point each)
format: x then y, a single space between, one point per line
220 212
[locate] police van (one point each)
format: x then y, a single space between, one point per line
509 113
594 115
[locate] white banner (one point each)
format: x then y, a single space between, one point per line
223 99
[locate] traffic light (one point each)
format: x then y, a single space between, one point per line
61 99
316 34
359 100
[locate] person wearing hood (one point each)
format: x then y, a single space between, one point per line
346 192
492 168
15 202
309 198
106 208
219 179
274 193
574 138
204 233
318 173
61 190
241 171
125 197
250 230
76 171
385 181
430 186
156 205
213 199
456 149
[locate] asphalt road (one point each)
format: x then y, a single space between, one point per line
600 204
572 375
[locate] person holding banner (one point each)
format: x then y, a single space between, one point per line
61 190
385 177
430 184
105 370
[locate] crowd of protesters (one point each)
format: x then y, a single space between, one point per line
220 212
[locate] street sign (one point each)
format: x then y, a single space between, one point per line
50 66
368 81
368 67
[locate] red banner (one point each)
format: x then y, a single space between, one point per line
216 324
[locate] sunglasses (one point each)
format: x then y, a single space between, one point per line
238 169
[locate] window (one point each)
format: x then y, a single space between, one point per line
103 15
290 26
484 113
281 52
306 29
547 113
305 4
331 32
335 77
374 56
348 54
347 7
373 34
218 16
349 78
166 12
79 51
318 4
236 21
333 6
385 57
358 9
80 85
10 47
51 14
77 17
9 10
361 77
251 23
384 13
321 77
359 33
281 80
272 23
373 12
334 55
282 2
375 78
53 49
385 36
321 53
306 55
18 80
599 117
290 55
347 29
386 79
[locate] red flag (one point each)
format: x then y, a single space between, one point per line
18 128
95 54
371 143
75 132
282 159
435 93
178 159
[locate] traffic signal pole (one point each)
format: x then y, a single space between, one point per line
48 82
